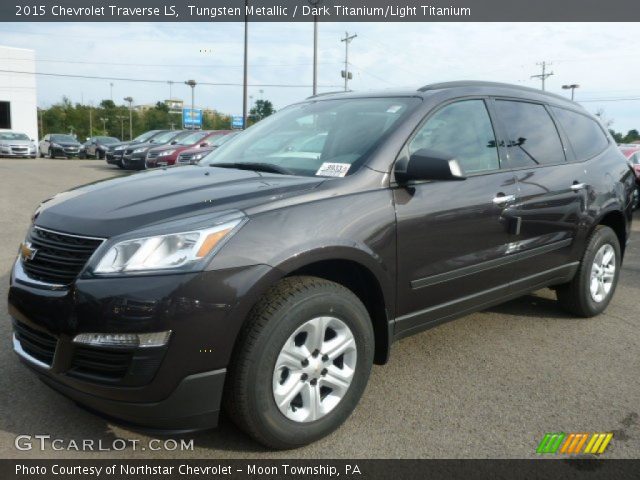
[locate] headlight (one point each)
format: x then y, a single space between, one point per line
140 150
165 153
117 149
198 156
55 145
161 252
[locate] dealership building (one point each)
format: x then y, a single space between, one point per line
18 108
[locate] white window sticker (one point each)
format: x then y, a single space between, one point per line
328 169
394 108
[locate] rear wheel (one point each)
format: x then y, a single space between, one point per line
301 364
592 288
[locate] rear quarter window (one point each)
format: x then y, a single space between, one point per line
585 134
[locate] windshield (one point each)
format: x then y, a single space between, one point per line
324 138
166 137
192 138
106 140
143 137
62 138
13 136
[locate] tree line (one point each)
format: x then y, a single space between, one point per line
112 120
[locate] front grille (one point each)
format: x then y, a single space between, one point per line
58 257
35 343
19 149
184 157
102 362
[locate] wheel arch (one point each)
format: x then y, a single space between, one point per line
616 220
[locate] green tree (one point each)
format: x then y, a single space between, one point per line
261 109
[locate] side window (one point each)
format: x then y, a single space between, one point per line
584 133
532 136
464 131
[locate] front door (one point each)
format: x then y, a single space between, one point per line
453 236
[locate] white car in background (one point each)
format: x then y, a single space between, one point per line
16 144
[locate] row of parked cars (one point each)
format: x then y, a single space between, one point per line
162 148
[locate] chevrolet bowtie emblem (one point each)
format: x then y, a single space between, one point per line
27 252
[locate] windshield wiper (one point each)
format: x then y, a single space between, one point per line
255 166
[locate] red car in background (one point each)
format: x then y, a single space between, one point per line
192 156
632 152
166 155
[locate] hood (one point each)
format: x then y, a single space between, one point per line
116 206
21 143
167 146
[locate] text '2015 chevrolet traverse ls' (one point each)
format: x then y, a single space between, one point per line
270 279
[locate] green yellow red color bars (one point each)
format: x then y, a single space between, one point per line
572 443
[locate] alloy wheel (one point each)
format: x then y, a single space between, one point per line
603 272
314 369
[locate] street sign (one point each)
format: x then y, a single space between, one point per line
192 118
236 121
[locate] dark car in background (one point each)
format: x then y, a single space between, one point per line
167 155
116 150
134 155
269 279
60 145
194 155
97 147
16 144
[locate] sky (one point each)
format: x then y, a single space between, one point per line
601 57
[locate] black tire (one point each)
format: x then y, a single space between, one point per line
41 155
248 396
99 154
575 296
50 154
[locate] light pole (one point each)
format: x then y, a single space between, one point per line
192 84
314 4
104 124
245 69
571 87
111 89
121 118
130 101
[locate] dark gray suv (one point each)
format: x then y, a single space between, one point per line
271 277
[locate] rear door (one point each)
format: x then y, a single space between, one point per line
550 190
452 236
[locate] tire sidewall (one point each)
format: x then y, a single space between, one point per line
602 237
271 421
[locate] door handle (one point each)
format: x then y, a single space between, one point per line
577 186
501 199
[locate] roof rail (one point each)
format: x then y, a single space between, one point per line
480 83
327 93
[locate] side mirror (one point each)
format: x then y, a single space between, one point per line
173 142
428 164
204 144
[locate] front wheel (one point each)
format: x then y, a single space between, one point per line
301 363
51 154
592 288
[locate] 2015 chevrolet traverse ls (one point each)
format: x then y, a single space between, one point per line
271 278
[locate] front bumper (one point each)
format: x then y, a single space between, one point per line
113 157
135 160
177 387
7 153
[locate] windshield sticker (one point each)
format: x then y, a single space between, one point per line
328 169
394 108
